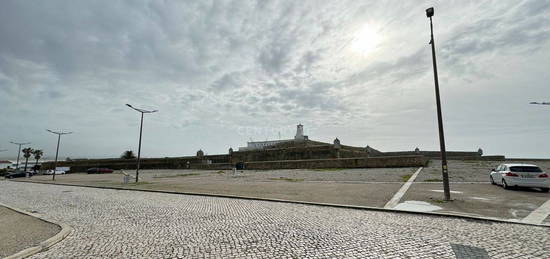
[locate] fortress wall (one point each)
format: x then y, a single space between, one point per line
145 163
291 153
361 162
435 154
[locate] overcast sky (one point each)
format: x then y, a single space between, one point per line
224 72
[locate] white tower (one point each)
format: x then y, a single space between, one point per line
299 132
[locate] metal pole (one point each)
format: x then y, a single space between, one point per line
139 148
18 153
440 122
56 153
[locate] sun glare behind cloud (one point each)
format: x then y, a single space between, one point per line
366 40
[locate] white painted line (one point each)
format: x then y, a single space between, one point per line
538 215
397 197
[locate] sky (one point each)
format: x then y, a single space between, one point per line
222 73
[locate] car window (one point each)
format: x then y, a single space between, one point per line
526 169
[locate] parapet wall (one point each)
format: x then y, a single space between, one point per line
192 162
287 153
435 154
358 162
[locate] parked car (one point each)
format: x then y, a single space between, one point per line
16 175
99 171
520 175
56 172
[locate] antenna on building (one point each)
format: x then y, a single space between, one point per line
279 135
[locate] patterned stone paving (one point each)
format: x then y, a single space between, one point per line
469 252
130 224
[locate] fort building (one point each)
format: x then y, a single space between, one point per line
298 152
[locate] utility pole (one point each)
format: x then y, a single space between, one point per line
444 169
57 149
18 152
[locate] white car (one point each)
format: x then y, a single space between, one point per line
520 175
56 172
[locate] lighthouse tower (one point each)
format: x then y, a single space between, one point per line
300 132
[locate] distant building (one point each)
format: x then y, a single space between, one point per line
5 164
258 145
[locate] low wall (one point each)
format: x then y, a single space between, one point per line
216 162
486 158
433 154
359 162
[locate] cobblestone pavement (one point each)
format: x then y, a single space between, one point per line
130 224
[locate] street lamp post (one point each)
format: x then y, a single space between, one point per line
140 133
18 152
447 192
57 149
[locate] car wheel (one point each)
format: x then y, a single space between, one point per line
492 181
545 189
505 185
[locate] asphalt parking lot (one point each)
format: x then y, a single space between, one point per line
472 192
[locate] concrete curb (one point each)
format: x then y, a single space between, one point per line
62 234
437 214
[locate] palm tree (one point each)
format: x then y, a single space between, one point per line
37 155
26 154
128 154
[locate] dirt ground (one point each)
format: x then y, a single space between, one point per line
19 231
364 187
471 191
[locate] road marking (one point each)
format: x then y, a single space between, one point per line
395 199
538 215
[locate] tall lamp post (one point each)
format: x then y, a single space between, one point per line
58 133
18 152
142 111
447 192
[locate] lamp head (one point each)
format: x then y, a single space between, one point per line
430 12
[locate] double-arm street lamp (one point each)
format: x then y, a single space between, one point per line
429 14
142 111
18 152
58 133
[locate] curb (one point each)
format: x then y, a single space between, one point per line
62 234
357 207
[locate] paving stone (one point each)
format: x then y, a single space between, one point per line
130 224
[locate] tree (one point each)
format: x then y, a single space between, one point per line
37 155
26 154
128 154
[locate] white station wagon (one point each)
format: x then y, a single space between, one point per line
520 175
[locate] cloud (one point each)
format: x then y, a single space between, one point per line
213 67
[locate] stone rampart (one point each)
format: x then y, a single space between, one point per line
358 162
